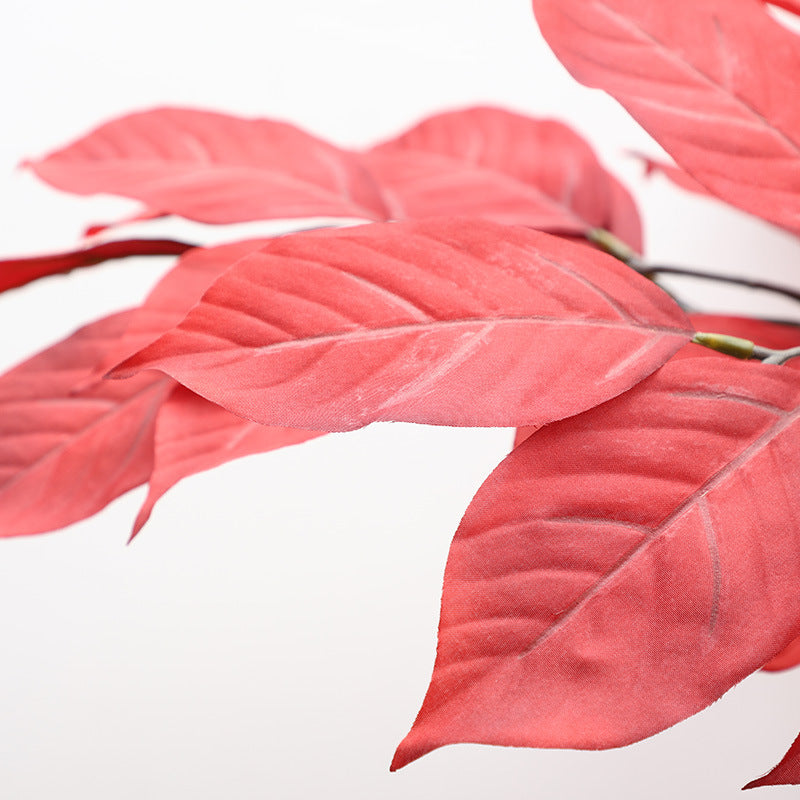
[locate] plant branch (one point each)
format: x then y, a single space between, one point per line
608 242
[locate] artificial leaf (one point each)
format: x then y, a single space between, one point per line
65 452
215 168
792 6
786 772
622 569
16 272
451 321
713 81
193 435
505 167
172 297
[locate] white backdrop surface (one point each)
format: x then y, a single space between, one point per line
272 630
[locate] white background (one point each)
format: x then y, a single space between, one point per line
272 630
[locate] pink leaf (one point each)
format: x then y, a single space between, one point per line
452 322
172 297
714 82
786 772
193 435
16 272
65 453
504 167
622 569
215 168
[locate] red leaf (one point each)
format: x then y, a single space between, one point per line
215 168
452 322
16 272
788 657
193 435
504 167
786 772
603 586
65 453
713 81
788 5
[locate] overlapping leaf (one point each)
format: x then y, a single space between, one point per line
505 167
454 322
16 272
193 435
713 81
215 168
66 452
622 569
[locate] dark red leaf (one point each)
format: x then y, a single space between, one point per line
16 272
215 168
788 657
622 569
65 453
714 81
193 435
505 167
786 772
452 322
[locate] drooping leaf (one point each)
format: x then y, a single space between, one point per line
453 322
622 569
713 81
495 164
66 452
16 272
786 772
193 435
215 168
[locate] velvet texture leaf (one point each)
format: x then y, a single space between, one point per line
215 168
452 322
16 272
603 586
505 167
713 81
66 452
